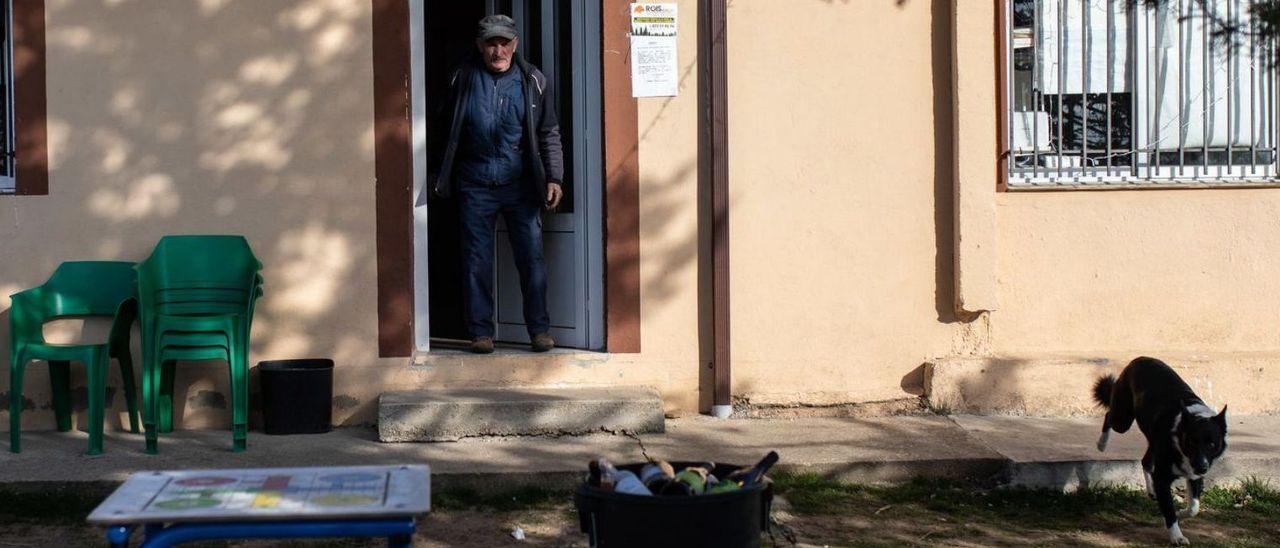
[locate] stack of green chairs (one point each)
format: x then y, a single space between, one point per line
197 298
76 289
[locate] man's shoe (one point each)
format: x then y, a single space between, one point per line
543 342
482 345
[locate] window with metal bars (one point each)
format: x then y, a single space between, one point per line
7 184
1109 93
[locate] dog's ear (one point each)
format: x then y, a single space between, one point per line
1221 418
1184 418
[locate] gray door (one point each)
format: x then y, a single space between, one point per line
562 38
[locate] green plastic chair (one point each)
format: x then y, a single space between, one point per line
76 289
197 298
190 343
223 335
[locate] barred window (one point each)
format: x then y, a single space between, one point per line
6 97
1106 93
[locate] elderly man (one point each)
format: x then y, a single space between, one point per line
503 156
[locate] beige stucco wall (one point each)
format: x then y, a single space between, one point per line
840 259
1159 270
257 118
212 117
1082 271
858 130
1087 280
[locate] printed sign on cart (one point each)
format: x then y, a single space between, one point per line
653 50
268 493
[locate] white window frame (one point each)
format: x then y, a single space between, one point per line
1033 160
8 182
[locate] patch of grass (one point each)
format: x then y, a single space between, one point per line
56 505
1250 508
814 494
1253 495
524 498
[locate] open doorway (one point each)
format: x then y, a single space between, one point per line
562 38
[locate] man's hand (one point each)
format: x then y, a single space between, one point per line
554 194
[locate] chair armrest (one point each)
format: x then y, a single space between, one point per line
27 316
31 291
126 314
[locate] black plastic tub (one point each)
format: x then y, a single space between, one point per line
297 396
731 520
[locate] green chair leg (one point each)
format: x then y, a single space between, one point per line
130 392
239 438
165 420
239 401
60 382
96 371
149 405
17 365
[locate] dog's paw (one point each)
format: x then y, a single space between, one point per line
1102 441
1175 536
1191 511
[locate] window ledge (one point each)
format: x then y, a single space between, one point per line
1139 185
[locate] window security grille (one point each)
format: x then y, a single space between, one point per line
1106 93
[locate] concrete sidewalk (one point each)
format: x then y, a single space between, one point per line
1053 453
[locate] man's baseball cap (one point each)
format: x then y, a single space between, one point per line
496 26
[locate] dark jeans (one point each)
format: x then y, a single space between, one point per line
478 209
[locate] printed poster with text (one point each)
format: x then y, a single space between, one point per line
653 50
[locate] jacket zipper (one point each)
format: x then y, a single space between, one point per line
494 133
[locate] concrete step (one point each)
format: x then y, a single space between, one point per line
453 414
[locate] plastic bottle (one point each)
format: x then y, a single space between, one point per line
656 471
695 477
622 481
673 488
593 474
724 486
756 473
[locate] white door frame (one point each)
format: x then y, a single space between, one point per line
418 106
590 196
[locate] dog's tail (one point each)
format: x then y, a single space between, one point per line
1102 390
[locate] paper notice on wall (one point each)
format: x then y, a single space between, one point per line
653 50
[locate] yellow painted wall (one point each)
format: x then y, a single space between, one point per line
1144 271
840 220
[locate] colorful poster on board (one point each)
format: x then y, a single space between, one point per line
653 50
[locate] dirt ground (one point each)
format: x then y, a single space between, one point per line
819 513
859 527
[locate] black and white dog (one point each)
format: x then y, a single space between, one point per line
1184 436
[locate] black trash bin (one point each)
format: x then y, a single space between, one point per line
731 520
297 396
